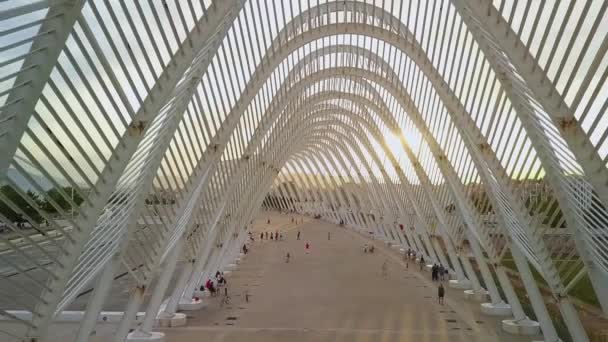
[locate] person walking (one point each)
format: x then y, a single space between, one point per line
298 235
287 257
385 269
440 293
307 247
421 262
266 235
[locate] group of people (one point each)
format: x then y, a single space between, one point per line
368 249
306 249
438 272
273 236
215 284
407 256
411 255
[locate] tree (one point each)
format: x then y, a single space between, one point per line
64 203
20 202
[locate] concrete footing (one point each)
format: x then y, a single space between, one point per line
496 309
522 327
480 296
142 336
191 305
164 320
459 284
231 267
200 294
76 316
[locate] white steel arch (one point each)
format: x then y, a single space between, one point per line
135 135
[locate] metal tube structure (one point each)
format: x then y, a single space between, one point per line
158 294
130 130
94 306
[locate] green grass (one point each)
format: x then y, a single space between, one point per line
582 291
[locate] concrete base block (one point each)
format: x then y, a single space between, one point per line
429 267
142 336
227 273
191 305
478 296
178 319
200 294
459 284
237 260
231 267
401 250
523 327
498 309
397 247
76 316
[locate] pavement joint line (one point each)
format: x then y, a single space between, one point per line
326 330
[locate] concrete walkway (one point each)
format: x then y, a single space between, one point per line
334 293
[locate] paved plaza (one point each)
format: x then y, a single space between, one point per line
334 293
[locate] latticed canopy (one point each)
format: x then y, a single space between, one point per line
137 133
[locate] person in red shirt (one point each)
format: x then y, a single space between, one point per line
210 287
